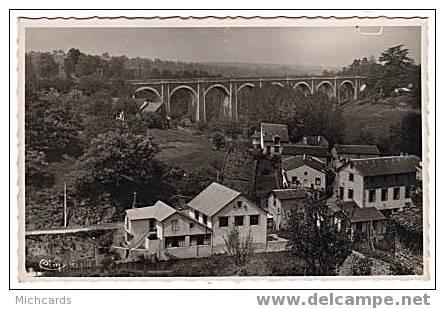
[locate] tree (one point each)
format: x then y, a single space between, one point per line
120 163
48 68
35 170
51 126
314 238
396 56
238 247
71 61
407 136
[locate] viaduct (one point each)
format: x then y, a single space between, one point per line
340 87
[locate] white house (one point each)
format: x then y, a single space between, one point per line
221 208
304 172
281 202
383 182
162 231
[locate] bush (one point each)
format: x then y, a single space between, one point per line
218 140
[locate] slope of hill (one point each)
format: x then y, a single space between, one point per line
376 118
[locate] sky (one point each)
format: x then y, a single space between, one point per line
312 46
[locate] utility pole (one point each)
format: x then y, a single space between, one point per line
64 206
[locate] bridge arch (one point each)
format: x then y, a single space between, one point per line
327 87
346 90
277 84
182 108
218 86
250 85
184 87
305 87
151 89
215 105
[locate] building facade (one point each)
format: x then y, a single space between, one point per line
384 183
281 203
304 172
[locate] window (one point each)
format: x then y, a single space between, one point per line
396 194
200 240
254 219
276 139
223 221
239 220
175 226
239 204
294 179
196 215
172 242
407 192
384 194
305 173
371 197
350 194
276 148
268 149
317 181
192 225
351 177
204 219
341 192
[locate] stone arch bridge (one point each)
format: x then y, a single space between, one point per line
163 89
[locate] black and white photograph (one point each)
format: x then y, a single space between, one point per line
223 149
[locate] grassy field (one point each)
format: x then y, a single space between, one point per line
375 118
186 149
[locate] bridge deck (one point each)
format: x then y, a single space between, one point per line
243 79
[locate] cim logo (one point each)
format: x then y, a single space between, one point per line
51 265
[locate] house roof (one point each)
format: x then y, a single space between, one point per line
213 198
357 149
301 149
270 130
150 107
298 161
356 214
159 211
289 194
385 165
410 218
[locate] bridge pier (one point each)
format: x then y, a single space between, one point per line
233 100
201 106
165 97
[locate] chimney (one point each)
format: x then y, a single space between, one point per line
305 140
134 200
304 156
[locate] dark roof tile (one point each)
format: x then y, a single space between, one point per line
270 130
298 161
385 165
357 149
